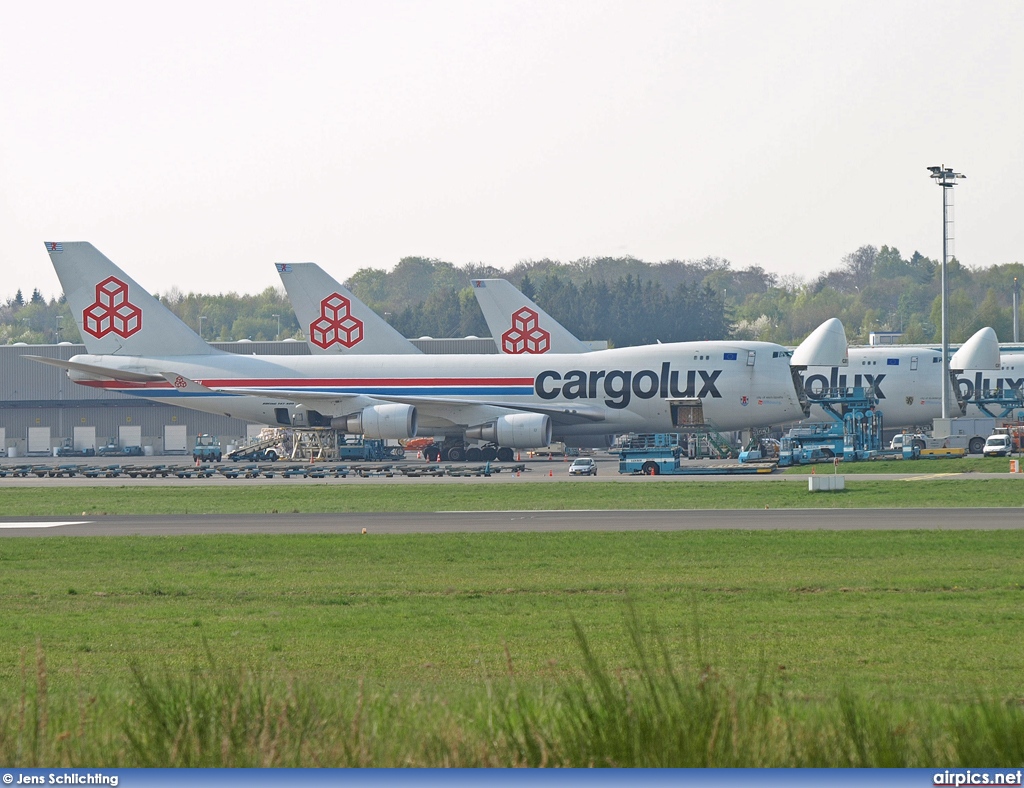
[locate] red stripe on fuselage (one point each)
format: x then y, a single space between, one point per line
361 382
301 383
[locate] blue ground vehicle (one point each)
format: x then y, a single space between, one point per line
207 448
854 432
665 461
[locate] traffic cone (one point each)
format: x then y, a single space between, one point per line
519 457
812 471
551 473
419 455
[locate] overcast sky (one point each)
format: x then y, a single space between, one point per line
196 143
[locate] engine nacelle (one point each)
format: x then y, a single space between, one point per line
517 431
380 422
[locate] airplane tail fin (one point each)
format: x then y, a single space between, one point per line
518 325
115 315
335 321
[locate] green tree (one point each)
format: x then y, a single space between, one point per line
963 317
526 287
990 313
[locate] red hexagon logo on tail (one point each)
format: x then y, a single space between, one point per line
112 312
526 335
336 324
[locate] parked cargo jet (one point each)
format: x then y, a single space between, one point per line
905 378
138 347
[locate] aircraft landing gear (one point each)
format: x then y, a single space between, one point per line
459 452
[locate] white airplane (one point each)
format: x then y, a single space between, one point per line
335 321
906 379
136 346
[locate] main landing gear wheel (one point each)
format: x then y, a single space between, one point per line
489 454
505 454
456 454
474 454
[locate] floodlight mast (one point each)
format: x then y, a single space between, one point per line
946 178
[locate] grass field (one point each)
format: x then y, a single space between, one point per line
965 465
904 613
455 630
656 649
649 493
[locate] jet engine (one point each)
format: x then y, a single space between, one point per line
380 422
517 431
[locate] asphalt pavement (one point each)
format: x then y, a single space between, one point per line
541 522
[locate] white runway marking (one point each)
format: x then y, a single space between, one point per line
43 525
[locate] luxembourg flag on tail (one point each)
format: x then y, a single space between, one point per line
284 268
54 247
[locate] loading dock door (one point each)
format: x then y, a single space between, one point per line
39 440
175 436
687 413
85 438
129 435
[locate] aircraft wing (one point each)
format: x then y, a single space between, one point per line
98 371
559 415
441 407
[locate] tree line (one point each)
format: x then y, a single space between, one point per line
622 300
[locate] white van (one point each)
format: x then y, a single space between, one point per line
997 446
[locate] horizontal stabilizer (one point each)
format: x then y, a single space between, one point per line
98 371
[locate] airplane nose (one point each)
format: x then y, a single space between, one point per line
826 346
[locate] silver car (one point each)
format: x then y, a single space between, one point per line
583 466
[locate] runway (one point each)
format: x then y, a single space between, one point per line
527 521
